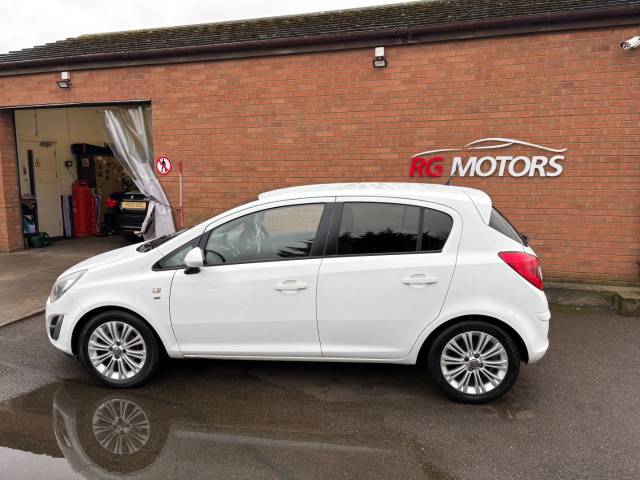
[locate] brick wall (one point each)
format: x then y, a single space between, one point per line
10 227
245 126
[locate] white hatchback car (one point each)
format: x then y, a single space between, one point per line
363 272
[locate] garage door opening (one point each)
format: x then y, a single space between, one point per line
86 173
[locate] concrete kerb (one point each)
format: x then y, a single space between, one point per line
22 317
625 300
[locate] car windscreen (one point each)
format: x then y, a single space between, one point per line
500 223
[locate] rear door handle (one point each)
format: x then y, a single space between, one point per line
419 280
291 286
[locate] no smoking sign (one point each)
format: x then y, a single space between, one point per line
163 166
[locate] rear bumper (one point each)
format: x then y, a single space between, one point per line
539 352
121 222
538 336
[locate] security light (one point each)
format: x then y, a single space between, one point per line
633 42
65 80
379 61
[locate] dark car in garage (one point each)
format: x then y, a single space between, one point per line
125 212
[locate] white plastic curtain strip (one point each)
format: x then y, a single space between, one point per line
128 132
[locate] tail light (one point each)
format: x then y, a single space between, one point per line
526 265
111 203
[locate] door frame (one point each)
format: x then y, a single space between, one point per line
18 183
46 106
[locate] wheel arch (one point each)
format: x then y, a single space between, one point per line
522 347
110 308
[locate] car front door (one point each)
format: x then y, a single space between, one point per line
386 273
256 294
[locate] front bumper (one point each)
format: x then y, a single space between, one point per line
70 311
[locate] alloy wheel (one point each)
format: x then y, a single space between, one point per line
474 362
117 350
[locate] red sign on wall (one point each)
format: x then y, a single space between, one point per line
163 166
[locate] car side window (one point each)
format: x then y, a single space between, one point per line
176 258
436 227
370 228
279 233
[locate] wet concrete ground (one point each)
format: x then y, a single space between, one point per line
573 415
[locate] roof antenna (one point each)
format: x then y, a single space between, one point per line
451 175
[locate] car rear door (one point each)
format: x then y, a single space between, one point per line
385 275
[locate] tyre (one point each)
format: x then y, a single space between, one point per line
118 349
473 362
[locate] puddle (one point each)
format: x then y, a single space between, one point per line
217 419
251 429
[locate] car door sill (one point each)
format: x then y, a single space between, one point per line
216 356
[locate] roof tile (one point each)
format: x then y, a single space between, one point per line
371 19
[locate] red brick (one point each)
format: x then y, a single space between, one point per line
244 126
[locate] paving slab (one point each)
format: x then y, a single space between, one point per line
26 277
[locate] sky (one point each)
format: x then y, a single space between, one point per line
35 22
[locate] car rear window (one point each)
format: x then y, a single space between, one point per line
500 223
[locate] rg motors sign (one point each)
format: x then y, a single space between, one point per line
482 158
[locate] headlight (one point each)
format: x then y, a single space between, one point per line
64 283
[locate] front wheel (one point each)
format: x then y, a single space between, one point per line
474 362
119 349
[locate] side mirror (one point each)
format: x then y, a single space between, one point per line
194 260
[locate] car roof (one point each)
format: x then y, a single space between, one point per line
421 191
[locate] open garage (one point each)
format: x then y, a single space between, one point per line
57 149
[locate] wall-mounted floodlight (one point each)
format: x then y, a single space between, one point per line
633 42
378 60
65 80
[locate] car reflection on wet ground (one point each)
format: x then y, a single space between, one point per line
574 415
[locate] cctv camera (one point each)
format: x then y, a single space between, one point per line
631 43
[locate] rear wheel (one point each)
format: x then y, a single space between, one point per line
474 362
119 349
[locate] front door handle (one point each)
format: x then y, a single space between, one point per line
291 286
419 280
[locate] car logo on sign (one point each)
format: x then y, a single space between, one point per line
430 165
